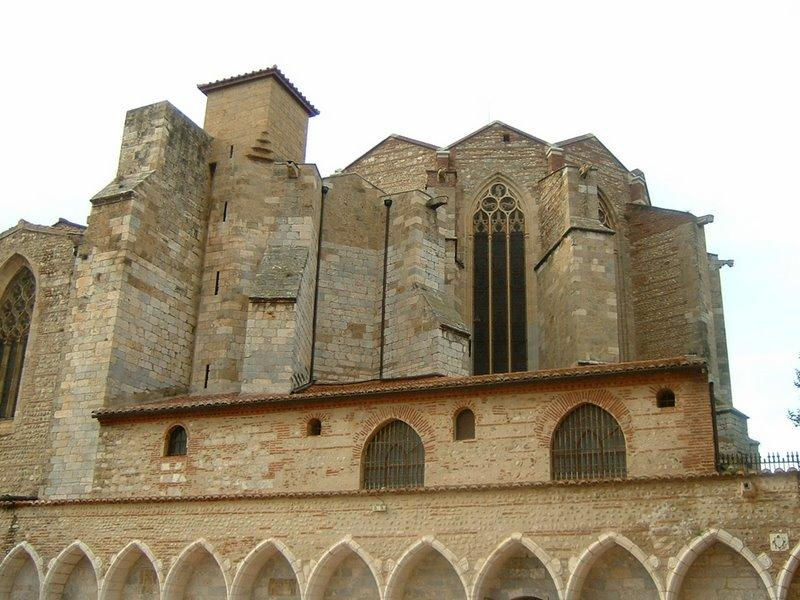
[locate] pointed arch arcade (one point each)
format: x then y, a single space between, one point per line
16 311
498 285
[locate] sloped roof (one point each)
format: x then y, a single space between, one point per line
272 71
501 124
432 383
590 137
393 136
60 227
279 273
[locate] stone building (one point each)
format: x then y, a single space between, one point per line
492 370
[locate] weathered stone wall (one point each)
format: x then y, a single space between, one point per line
575 531
722 389
351 275
617 575
24 444
269 448
238 115
721 573
261 210
396 165
133 304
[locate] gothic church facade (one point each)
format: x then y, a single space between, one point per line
492 370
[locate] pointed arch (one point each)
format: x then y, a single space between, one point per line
596 550
183 567
788 573
256 560
120 567
697 546
332 558
17 301
63 565
14 562
504 550
411 557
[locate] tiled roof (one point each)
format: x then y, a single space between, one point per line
432 489
272 71
430 383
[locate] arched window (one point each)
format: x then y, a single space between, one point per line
465 425
588 444
498 290
16 310
176 441
394 457
314 427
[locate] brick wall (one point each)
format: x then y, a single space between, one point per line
574 529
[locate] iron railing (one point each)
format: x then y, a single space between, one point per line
756 463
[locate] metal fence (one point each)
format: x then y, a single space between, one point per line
756 463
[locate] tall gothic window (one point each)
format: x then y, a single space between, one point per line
16 309
394 458
588 444
498 293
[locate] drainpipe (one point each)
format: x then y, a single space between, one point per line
388 203
325 190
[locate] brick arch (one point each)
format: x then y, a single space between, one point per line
589 556
252 564
175 583
120 567
557 410
408 415
788 573
410 558
506 547
697 546
326 566
13 562
62 566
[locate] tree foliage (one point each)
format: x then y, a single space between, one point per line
794 415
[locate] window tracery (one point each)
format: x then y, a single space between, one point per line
16 311
499 305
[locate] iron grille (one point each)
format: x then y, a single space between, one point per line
499 313
754 462
16 309
588 444
176 445
394 458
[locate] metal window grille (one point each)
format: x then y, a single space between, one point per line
394 458
588 444
465 425
499 312
176 444
16 310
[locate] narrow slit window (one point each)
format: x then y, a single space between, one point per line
499 304
216 284
224 212
16 311
208 372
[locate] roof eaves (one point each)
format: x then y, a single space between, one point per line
272 71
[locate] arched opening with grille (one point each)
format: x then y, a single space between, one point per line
588 444
16 311
498 287
394 457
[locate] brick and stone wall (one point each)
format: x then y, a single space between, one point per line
269 448
24 440
686 538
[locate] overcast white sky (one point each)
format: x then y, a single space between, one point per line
702 96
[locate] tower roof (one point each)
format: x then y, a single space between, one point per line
272 71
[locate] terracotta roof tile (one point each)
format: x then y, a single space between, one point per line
427 383
272 71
